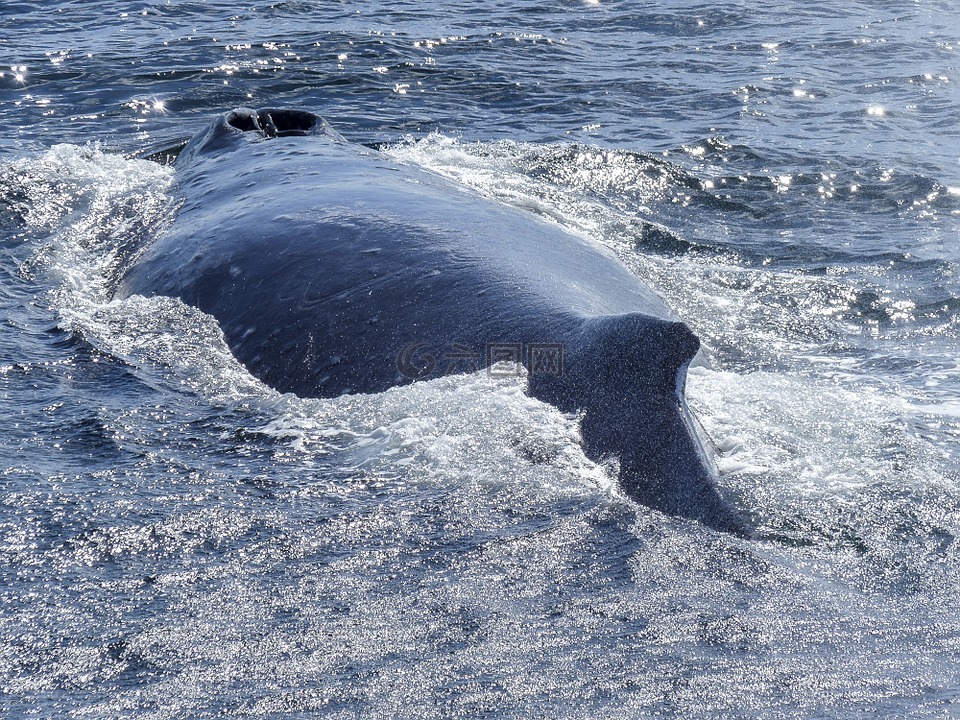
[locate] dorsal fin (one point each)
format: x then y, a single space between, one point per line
625 374
638 348
615 354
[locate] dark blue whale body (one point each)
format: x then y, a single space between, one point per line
333 269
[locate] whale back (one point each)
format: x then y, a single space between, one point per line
333 269
325 262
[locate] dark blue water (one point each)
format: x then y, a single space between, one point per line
178 540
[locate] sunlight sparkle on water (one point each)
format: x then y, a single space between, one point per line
782 182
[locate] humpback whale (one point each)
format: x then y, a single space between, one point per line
334 269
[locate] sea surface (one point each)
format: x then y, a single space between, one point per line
177 540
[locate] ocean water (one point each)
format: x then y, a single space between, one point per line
179 540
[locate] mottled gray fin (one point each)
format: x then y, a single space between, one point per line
626 375
616 358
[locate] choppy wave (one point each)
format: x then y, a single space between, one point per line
179 540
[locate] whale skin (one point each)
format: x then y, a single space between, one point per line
334 269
